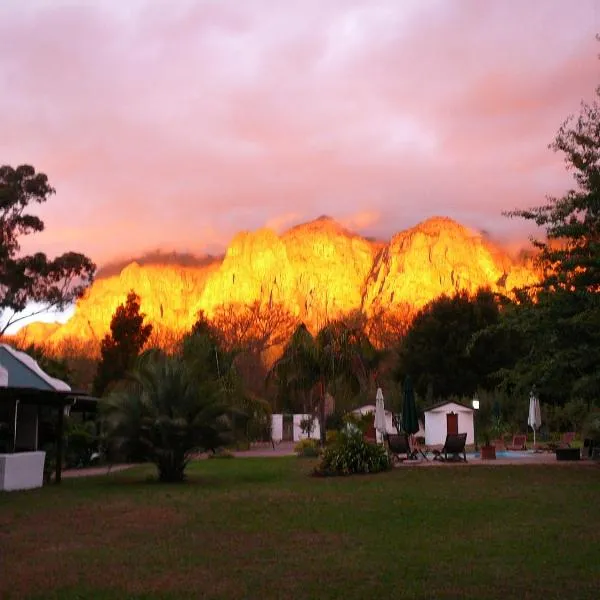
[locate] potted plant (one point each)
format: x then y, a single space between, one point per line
488 452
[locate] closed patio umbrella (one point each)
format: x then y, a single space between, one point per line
380 425
534 420
410 420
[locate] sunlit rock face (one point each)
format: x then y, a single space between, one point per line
318 271
438 256
168 295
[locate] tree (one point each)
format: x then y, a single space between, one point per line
561 315
32 279
168 409
315 363
204 352
122 345
437 351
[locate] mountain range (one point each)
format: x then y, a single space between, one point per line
317 271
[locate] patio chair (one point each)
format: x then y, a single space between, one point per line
519 442
453 447
398 444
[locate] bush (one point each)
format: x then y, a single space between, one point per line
81 444
221 453
363 422
307 448
331 436
351 454
335 421
591 427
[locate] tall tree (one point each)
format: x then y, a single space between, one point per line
314 363
561 315
168 410
437 351
121 347
50 284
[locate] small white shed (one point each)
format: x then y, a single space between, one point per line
448 417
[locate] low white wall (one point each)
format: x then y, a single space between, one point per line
315 434
21 471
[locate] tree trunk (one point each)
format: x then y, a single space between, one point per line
323 429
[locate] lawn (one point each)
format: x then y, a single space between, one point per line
261 528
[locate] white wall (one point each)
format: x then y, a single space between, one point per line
21 471
315 434
276 428
436 425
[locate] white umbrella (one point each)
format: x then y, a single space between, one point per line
380 425
535 416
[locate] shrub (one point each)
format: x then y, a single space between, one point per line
351 454
591 428
81 444
335 421
221 453
307 448
363 422
332 436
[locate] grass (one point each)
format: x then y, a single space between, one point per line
261 528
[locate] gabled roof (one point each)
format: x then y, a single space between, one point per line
31 364
445 402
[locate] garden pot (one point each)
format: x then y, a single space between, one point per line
488 452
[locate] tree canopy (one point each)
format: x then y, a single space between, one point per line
561 316
121 347
310 363
32 279
437 350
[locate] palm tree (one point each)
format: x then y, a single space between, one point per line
314 363
169 410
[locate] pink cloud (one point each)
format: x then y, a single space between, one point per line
175 128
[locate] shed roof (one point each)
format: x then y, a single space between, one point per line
30 364
445 403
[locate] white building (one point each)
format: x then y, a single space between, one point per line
448 417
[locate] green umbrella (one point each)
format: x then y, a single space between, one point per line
410 421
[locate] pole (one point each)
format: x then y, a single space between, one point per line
59 442
15 426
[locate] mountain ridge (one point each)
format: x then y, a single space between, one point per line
317 271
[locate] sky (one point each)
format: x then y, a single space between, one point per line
173 125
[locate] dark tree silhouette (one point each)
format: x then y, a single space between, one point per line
121 347
32 279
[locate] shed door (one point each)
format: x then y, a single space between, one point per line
451 423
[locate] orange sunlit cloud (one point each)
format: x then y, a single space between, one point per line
175 125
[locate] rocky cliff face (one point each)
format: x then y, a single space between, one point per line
438 256
317 271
